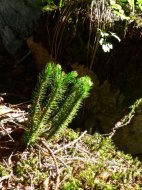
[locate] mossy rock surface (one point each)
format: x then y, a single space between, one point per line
129 136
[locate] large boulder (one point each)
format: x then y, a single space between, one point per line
18 20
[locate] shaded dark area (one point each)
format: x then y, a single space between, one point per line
17 78
123 68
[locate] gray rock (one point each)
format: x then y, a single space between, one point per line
18 20
129 137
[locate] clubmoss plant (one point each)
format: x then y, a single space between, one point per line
57 98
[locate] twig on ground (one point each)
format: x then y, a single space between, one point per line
5 177
56 164
82 148
1 124
31 181
21 104
71 143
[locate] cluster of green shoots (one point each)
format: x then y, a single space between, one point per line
57 98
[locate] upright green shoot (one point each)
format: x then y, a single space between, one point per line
57 98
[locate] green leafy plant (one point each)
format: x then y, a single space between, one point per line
126 9
105 42
49 5
118 10
139 4
103 17
57 99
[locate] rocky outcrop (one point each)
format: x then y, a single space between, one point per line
18 20
128 136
